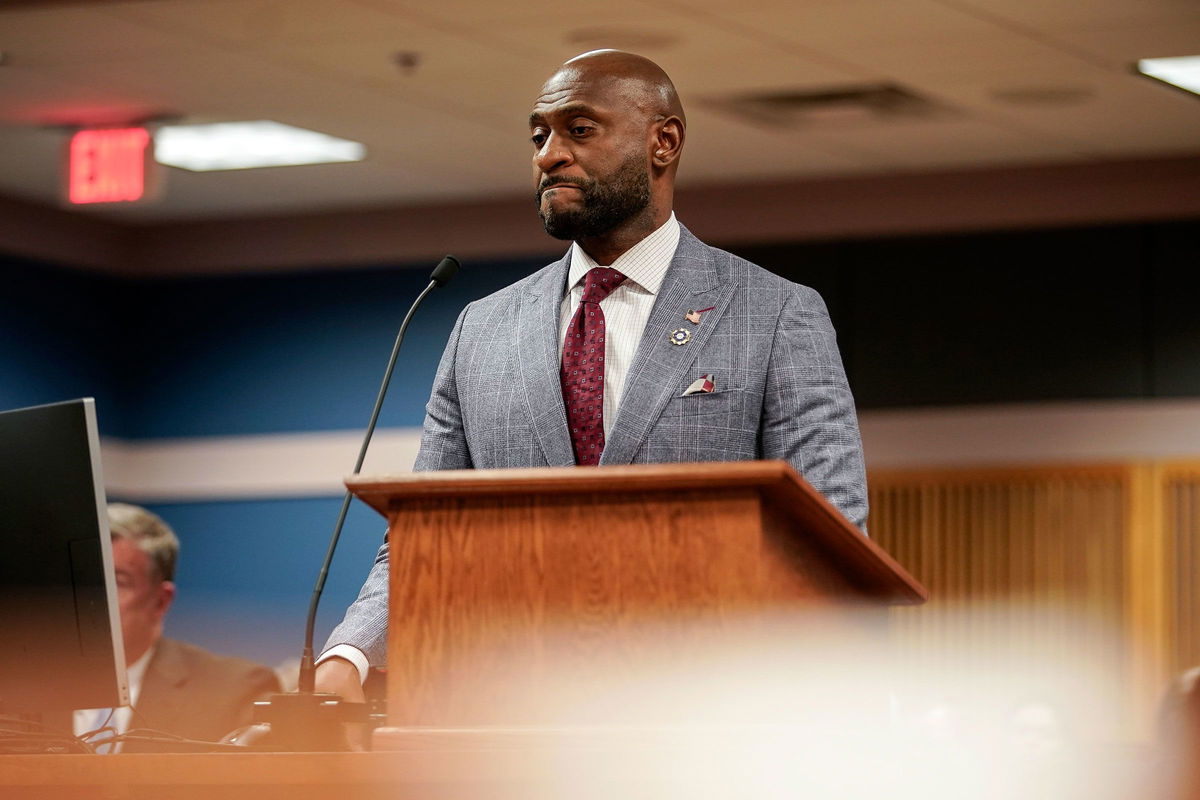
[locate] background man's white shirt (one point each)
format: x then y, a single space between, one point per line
89 719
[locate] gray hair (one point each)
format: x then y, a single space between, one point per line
151 535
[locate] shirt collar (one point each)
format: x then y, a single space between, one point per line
645 263
137 670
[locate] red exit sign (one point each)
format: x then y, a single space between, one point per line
107 165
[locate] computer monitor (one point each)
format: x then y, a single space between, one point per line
60 629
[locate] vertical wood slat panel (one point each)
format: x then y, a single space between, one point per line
1049 544
1181 519
1146 591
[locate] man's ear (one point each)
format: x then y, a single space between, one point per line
668 142
166 595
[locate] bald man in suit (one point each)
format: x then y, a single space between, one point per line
641 345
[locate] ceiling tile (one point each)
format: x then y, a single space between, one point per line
1048 16
1123 46
32 164
36 96
261 23
720 149
56 36
849 28
1128 116
942 144
993 56
439 80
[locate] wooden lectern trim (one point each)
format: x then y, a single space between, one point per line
557 480
778 483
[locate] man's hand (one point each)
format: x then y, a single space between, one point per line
338 676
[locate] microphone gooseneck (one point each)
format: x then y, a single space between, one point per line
441 275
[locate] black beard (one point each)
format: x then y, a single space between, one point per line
605 204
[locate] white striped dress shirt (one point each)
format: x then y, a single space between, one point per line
626 312
626 309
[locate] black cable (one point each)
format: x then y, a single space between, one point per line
37 737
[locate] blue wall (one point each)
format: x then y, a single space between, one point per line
276 353
54 335
222 356
247 569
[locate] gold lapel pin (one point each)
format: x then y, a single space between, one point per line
680 336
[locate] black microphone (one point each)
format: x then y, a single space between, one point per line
446 269
305 720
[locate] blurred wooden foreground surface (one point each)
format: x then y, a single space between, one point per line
430 766
424 770
583 765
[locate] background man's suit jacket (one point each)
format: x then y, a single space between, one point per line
780 393
193 693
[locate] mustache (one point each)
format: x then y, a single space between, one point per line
550 180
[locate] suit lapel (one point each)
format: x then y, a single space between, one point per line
160 697
538 362
692 282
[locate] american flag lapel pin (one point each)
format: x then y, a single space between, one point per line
694 316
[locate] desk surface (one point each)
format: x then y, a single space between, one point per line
429 765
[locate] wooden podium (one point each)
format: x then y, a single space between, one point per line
511 580
508 584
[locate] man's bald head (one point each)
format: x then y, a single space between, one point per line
648 85
607 131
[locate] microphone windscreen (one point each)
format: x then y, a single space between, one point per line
444 271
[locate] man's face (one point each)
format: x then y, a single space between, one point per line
142 596
590 162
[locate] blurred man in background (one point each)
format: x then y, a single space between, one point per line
175 688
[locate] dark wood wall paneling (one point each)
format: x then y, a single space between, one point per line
1089 313
1173 302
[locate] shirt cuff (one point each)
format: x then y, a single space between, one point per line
352 654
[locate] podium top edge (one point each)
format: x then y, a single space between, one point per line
732 474
778 482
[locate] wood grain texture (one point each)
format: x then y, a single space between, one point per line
1181 520
784 493
1095 563
508 581
509 594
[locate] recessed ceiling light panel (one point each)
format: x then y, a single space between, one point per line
248 145
1182 72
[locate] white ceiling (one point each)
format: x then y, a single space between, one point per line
453 128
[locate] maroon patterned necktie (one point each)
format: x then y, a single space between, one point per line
583 366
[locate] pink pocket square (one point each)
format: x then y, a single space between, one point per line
702 385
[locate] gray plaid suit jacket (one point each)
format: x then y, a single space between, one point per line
780 392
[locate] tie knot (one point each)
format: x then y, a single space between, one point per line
599 282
